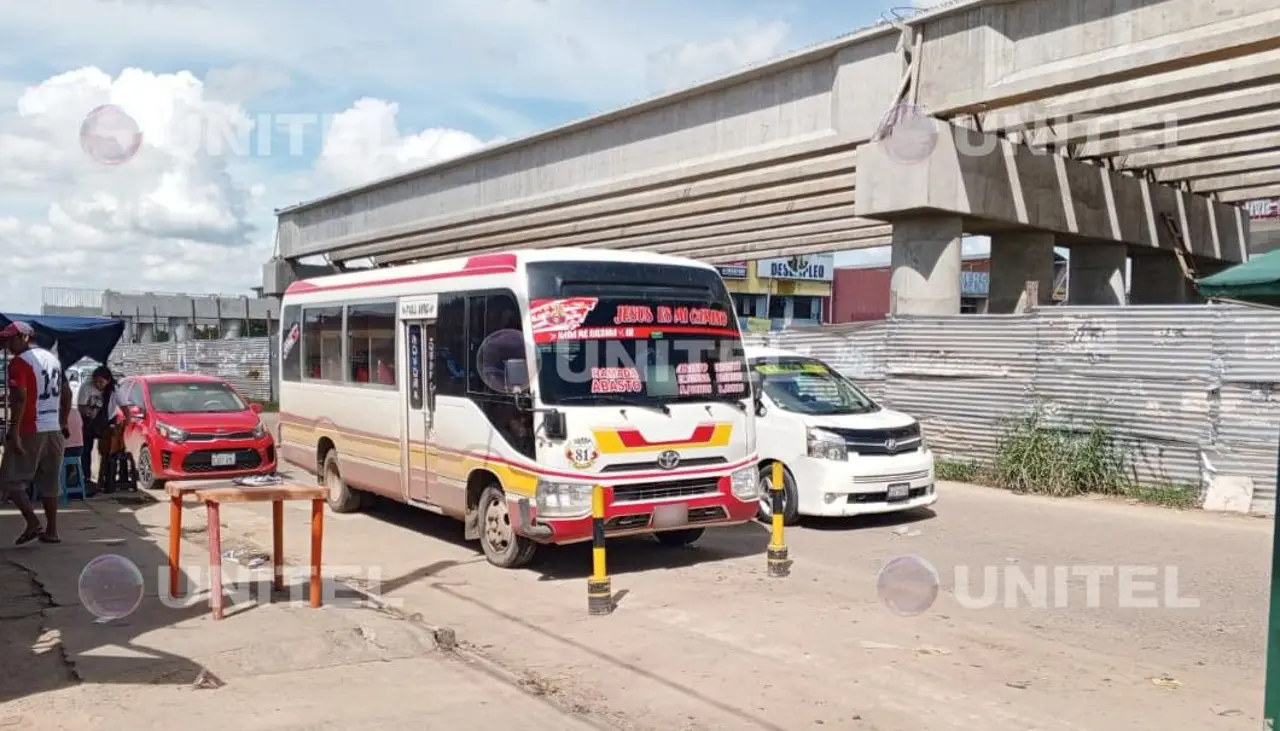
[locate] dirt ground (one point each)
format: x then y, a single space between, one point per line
702 638
267 666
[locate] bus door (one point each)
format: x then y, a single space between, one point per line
418 329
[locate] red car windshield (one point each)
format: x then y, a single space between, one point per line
194 397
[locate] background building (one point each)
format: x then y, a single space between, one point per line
157 317
861 293
1264 225
771 294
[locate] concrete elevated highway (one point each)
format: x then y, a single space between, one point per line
1131 127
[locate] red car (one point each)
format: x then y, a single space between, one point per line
189 427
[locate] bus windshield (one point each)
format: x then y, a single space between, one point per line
631 333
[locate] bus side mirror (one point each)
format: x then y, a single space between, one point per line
515 375
553 425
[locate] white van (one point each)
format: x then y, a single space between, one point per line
842 453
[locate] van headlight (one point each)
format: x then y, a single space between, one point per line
746 484
826 445
563 499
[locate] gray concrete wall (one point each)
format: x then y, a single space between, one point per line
211 308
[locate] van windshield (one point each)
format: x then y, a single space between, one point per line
630 333
808 386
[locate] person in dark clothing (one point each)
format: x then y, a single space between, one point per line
100 403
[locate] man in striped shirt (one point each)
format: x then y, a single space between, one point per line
39 404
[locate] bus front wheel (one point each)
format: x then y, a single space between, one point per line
502 546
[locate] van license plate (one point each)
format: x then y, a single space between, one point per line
223 459
899 491
670 516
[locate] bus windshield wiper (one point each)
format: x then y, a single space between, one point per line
624 401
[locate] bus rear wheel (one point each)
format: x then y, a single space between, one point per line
502 545
342 497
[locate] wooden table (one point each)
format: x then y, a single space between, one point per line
213 496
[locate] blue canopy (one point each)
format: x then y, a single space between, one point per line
75 337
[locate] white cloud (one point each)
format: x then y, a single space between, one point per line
364 143
191 210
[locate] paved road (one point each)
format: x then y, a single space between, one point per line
703 639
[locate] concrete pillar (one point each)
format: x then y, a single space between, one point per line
146 332
230 329
925 264
1018 257
178 330
1156 279
1095 274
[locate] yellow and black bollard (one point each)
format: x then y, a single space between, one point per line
779 563
599 589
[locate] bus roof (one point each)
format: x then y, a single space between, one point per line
480 264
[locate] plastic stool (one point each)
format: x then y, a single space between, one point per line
72 486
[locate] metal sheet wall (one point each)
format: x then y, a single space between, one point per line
245 363
1194 390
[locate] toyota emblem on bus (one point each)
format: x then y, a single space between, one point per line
669 459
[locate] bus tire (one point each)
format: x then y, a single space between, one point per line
342 497
502 546
679 538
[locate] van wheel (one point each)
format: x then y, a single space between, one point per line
790 498
679 538
502 546
342 497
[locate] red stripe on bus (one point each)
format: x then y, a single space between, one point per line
632 438
309 287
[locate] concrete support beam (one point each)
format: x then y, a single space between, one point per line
1258 142
1095 274
1157 37
278 274
1177 86
1180 133
1018 257
994 183
1160 118
1255 179
1250 194
1220 166
1156 278
925 263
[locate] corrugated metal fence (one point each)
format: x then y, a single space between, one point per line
1193 389
245 363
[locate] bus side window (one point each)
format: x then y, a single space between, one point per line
290 348
488 314
450 356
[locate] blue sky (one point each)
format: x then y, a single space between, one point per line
435 75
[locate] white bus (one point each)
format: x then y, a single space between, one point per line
499 389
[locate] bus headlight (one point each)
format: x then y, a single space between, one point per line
746 484
563 499
825 445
